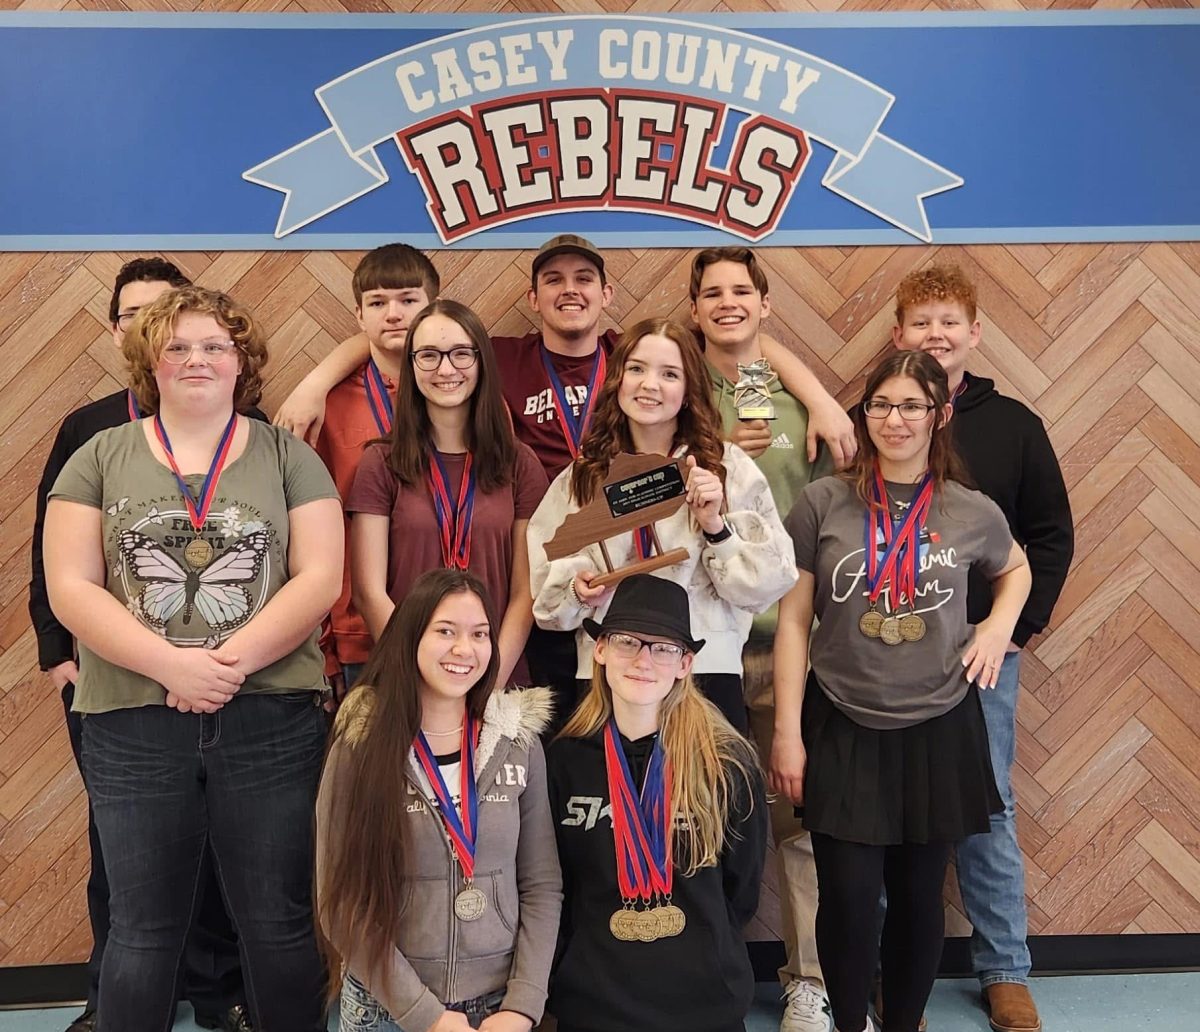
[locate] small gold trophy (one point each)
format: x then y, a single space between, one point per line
752 392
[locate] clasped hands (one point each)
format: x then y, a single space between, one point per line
202 680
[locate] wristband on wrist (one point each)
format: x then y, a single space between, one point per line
719 536
575 596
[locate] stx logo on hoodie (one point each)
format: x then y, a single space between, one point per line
585 811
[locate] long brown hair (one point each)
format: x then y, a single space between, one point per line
362 884
698 423
944 461
489 428
707 755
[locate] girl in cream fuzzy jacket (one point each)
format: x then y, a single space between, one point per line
656 399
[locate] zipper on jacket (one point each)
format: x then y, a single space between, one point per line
456 881
452 883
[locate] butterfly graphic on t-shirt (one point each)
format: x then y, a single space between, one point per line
216 591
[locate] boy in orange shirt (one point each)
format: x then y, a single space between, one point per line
391 285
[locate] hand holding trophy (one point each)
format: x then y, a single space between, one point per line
640 489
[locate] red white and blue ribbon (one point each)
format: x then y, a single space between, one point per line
197 508
454 513
644 541
135 413
641 832
460 830
378 398
899 565
573 426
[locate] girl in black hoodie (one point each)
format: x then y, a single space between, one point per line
649 777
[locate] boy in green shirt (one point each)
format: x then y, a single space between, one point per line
730 300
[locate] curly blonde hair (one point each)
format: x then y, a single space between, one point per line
155 323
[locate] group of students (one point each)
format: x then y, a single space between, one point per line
460 876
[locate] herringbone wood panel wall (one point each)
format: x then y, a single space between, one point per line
1102 341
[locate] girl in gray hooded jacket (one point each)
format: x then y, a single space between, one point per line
438 885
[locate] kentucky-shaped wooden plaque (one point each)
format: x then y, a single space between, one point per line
639 490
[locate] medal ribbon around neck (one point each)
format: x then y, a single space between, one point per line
574 427
461 831
641 837
901 540
197 508
644 542
454 515
378 398
135 412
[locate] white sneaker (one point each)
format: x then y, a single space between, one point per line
870 1025
807 1008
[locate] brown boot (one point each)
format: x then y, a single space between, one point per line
1011 1008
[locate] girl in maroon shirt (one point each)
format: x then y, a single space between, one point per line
451 487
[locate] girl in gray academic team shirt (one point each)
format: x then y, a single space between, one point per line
884 745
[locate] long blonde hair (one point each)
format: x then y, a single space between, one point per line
707 756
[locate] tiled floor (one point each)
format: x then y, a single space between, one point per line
1092 1003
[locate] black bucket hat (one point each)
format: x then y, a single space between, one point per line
643 604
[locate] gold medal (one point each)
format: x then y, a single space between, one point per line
621 924
870 622
889 631
198 553
912 627
648 927
671 919
470 904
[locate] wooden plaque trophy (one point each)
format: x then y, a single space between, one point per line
639 490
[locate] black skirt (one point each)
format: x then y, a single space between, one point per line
930 782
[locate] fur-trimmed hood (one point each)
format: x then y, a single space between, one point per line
517 714
441 957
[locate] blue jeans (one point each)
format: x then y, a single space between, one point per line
991 872
361 1012
167 786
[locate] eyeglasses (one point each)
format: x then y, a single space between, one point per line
429 359
913 411
179 351
628 646
125 319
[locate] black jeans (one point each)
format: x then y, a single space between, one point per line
552 661
166 788
725 692
211 975
850 877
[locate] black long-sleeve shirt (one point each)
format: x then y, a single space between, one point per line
698 980
1012 461
55 643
